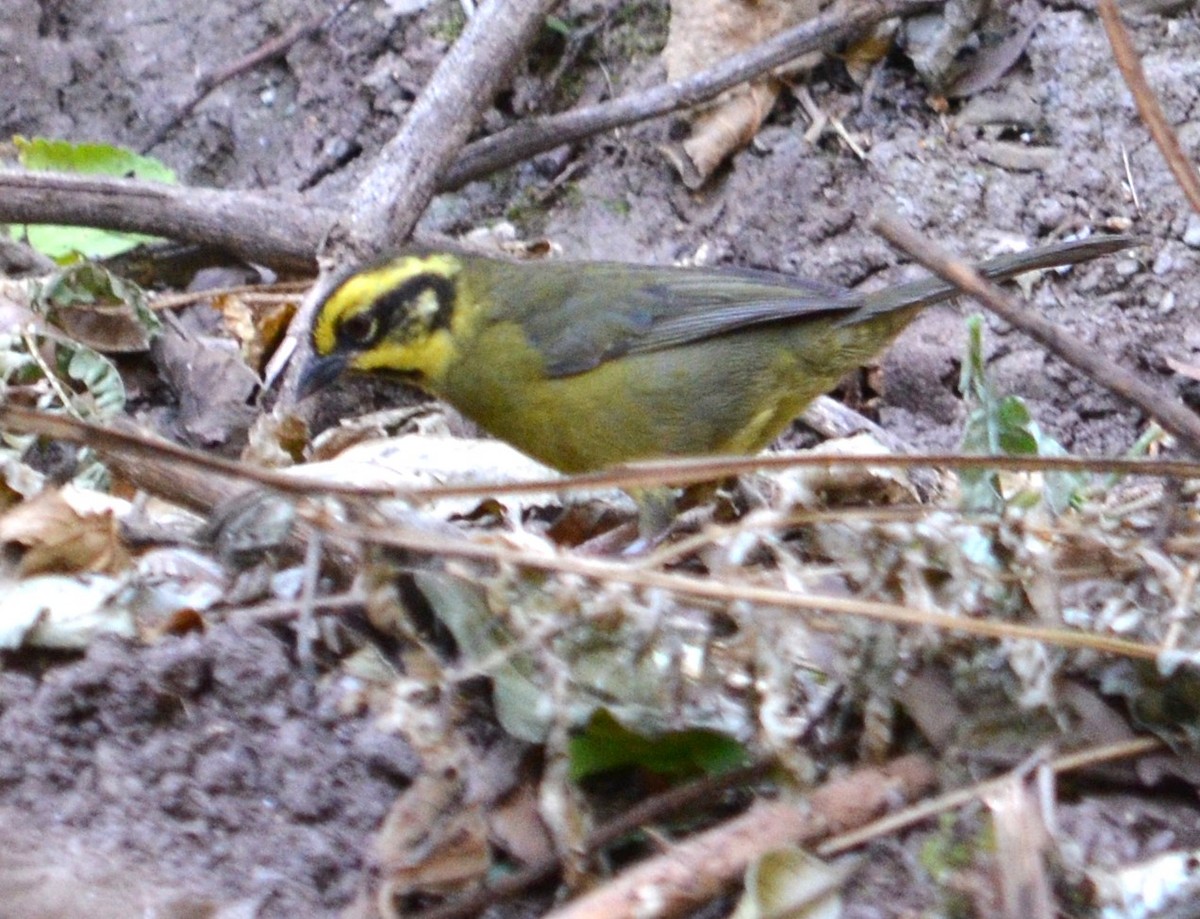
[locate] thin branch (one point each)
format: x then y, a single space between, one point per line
1147 104
387 203
537 135
151 451
1169 412
654 808
435 544
134 445
271 228
952 800
701 867
423 540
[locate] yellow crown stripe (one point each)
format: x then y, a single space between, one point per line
360 292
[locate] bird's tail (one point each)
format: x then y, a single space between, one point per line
927 291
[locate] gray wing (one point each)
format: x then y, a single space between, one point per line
609 309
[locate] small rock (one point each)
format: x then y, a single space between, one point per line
1049 213
1163 263
1018 157
1191 236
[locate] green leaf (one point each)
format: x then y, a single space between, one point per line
1004 426
99 159
554 24
64 243
605 745
101 378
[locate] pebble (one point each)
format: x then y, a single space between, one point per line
1018 157
1191 236
1049 213
1163 263
1127 267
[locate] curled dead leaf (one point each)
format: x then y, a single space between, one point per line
704 31
58 537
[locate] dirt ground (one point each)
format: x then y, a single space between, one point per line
208 766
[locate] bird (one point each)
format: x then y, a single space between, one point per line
591 364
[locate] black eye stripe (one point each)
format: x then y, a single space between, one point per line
393 310
393 307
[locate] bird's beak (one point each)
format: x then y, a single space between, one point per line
319 372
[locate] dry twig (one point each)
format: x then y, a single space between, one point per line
130 444
1147 103
387 203
1170 413
273 228
952 800
654 808
537 135
165 479
701 867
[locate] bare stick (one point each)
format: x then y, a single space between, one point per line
1147 103
701 867
272 228
647 811
952 800
536 135
1173 416
143 448
421 539
389 200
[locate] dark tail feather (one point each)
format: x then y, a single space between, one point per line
928 291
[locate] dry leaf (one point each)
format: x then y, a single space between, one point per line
109 329
62 612
862 55
705 31
517 828
258 326
215 387
792 884
58 538
433 841
991 63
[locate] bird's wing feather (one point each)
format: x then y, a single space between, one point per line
611 310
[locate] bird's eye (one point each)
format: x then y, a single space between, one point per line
359 330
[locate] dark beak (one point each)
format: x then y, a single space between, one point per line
319 372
